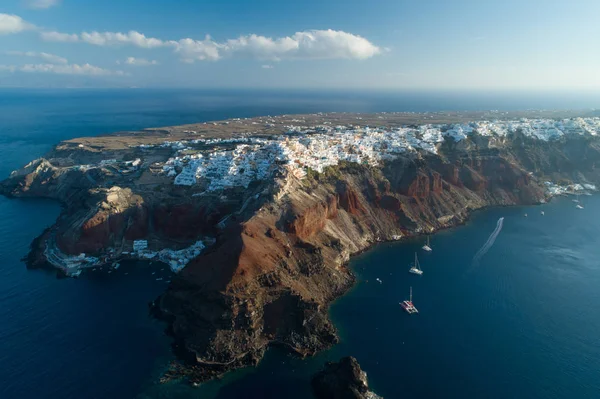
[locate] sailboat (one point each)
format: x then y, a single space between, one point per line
408 305
427 247
416 268
578 206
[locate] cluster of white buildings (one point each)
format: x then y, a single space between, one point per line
71 265
256 159
225 169
358 145
554 189
123 167
302 148
541 129
176 259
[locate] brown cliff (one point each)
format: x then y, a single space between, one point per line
289 259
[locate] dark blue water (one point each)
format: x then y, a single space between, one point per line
522 324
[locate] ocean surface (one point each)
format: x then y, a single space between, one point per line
522 322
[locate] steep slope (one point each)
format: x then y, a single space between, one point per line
269 281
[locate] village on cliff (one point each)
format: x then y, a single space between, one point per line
219 164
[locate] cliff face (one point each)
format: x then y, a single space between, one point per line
285 263
342 380
270 279
282 246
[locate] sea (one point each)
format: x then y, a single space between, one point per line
509 312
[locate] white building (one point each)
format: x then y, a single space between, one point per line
140 245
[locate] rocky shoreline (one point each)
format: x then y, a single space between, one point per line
274 252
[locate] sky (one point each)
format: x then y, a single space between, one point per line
379 44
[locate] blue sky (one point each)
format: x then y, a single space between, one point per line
381 44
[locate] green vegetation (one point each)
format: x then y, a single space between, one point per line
352 167
330 173
334 173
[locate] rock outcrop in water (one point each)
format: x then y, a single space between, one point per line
277 249
342 380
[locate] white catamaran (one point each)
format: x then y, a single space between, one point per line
416 268
408 305
427 247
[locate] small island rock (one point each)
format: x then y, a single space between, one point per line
342 380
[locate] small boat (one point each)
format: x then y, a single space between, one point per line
542 213
408 305
379 280
525 215
577 199
579 206
416 268
427 247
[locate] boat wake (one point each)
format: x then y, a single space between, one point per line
489 243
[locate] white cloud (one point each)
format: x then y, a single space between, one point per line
116 38
106 38
139 61
312 44
333 44
65 69
10 23
59 37
267 66
10 68
260 47
41 4
192 50
69 69
49 58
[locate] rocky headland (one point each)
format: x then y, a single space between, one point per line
342 380
260 216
